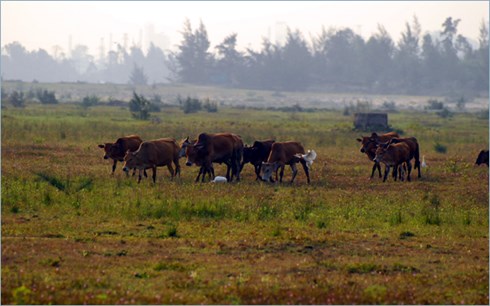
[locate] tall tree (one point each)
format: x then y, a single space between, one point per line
378 57
193 59
296 62
229 61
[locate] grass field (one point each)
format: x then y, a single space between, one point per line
74 234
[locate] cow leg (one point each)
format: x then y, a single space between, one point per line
228 168
171 170
114 166
281 174
387 171
374 169
409 169
379 169
201 170
307 171
295 171
139 176
257 171
177 167
154 176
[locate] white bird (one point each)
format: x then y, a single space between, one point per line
308 157
219 179
423 162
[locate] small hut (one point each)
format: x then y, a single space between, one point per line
373 121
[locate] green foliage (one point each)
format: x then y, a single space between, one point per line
17 99
89 101
46 97
445 113
139 107
435 105
138 76
190 105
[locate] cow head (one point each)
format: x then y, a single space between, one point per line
183 145
132 161
112 150
380 152
368 143
267 169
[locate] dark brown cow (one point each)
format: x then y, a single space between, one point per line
394 155
221 148
482 158
118 149
256 154
153 154
369 145
414 150
286 153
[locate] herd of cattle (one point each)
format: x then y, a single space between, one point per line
267 156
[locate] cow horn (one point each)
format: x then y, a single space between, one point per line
101 146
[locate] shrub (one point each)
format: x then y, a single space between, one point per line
190 105
211 107
439 148
434 105
89 101
445 113
46 97
139 107
17 98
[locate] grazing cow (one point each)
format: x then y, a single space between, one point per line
187 149
118 149
394 155
287 153
256 154
369 144
414 150
482 158
218 148
153 154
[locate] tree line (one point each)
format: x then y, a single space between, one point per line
334 60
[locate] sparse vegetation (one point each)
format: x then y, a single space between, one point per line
343 239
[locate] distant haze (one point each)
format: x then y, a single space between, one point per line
60 25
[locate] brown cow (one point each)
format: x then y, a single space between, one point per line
394 155
286 153
118 149
369 145
221 148
414 150
153 154
482 158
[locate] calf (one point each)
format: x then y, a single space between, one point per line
118 149
153 154
414 150
187 149
369 145
256 154
482 158
286 153
394 155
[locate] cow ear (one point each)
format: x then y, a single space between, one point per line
359 139
374 135
101 146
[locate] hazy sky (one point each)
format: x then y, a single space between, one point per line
44 24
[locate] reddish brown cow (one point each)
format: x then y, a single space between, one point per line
414 150
221 148
369 144
282 154
153 154
394 155
118 149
